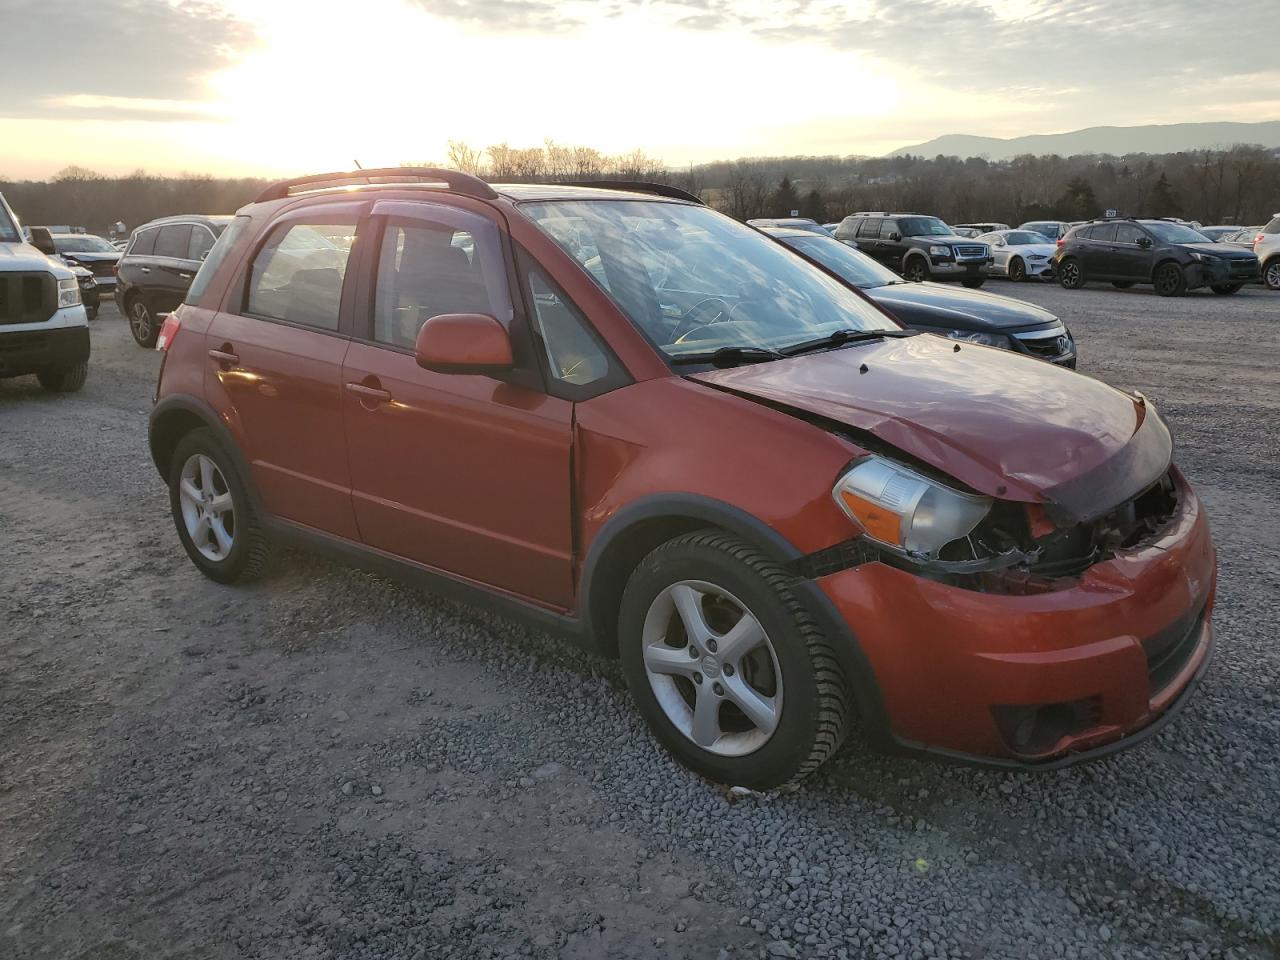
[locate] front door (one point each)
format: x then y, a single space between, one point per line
464 473
275 367
1130 261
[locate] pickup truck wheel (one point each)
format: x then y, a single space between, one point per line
211 508
1169 280
1070 275
142 323
916 269
727 666
67 379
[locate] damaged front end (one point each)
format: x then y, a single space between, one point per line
1015 547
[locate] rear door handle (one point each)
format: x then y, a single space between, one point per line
186 276
145 269
224 356
369 393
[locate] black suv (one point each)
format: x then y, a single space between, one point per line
1170 256
918 247
157 268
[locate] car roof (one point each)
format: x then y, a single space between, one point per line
186 218
784 232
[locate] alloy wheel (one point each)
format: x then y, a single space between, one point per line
140 321
1168 279
1069 274
915 271
1017 271
1271 277
207 508
712 668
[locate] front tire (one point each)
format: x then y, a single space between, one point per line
1169 280
1226 289
67 379
727 666
142 323
211 508
1017 270
915 269
1070 274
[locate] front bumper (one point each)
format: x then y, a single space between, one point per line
33 350
1090 666
1223 272
948 269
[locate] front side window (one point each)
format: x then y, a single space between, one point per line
888 228
1128 233
297 275
426 269
1176 233
173 241
924 227
868 229
695 281
217 253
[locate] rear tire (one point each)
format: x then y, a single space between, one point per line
64 379
1226 289
916 269
142 323
1017 270
1271 274
1169 280
218 527
784 670
1070 274
973 283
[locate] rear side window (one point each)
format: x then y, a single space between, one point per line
201 242
297 275
1273 226
1106 233
144 242
174 240
428 269
217 253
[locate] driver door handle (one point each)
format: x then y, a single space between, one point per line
369 393
224 356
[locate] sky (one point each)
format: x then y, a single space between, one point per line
273 87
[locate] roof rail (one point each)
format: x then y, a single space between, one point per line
455 180
637 186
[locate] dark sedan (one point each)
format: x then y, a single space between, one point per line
941 308
93 253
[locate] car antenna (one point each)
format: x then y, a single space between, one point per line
357 163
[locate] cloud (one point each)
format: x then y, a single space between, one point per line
505 14
123 49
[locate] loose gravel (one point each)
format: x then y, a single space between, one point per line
329 765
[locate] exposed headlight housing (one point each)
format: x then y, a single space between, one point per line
68 293
937 251
905 511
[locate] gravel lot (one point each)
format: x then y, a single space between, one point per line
328 765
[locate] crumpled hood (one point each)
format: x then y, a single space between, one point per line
24 257
1007 426
953 305
1226 252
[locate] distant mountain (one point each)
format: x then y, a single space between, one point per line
1170 138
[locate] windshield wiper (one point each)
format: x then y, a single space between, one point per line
840 338
729 356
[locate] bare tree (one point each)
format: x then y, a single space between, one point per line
463 157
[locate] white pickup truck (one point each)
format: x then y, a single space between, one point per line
43 326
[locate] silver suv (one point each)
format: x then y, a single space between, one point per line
1267 249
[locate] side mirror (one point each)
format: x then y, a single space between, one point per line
474 343
1144 242
895 237
42 240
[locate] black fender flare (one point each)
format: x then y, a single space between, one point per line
696 511
186 407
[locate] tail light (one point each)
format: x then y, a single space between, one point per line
169 330
115 269
1258 239
1061 240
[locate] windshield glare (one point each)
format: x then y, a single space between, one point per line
82 244
842 260
1176 233
924 227
694 281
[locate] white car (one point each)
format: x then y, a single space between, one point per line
1019 254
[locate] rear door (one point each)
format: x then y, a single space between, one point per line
1096 252
275 364
464 473
137 267
171 272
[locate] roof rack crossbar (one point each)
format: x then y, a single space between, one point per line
638 186
455 180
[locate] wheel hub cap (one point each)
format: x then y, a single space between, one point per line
204 499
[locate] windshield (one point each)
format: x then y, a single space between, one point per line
695 281
82 243
924 227
8 229
1175 233
1016 238
844 261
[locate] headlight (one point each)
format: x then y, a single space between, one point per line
939 251
68 293
1037 256
977 336
905 511
1202 257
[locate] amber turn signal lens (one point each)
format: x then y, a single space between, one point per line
877 521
